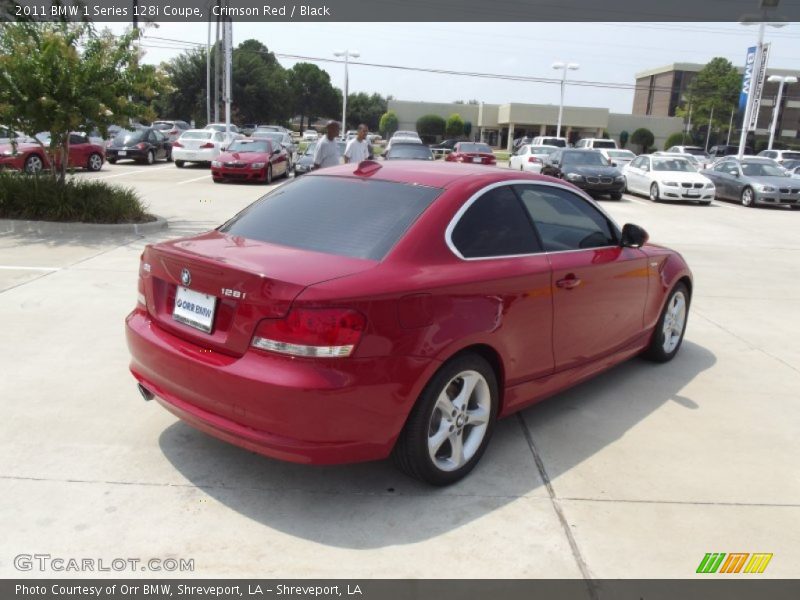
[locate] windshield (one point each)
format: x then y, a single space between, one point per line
762 170
594 159
543 149
673 164
603 144
273 136
470 147
695 151
335 215
409 151
555 142
197 135
621 154
126 138
162 125
310 150
249 146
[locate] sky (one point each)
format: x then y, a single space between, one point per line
606 52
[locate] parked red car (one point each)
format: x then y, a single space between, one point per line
472 152
251 160
29 156
397 308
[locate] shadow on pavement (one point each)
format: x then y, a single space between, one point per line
373 505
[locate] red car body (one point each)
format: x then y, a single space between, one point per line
82 155
241 164
472 152
406 315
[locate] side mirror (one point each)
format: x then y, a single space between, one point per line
276 151
633 236
613 164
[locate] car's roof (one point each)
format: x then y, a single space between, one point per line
586 150
438 174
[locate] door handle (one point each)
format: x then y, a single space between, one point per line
569 282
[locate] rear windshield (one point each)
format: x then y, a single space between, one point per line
412 151
672 164
162 125
554 142
621 154
334 215
126 138
695 151
197 135
603 144
791 155
482 148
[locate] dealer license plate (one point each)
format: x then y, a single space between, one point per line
122 153
477 159
693 193
194 309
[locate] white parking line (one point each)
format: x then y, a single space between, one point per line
132 172
206 176
636 200
725 205
13 268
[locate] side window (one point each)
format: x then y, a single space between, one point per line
721 167
636 163
495 225
76 139
555 157
645 164
218 137
564 220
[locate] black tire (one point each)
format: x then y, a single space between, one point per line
169 156
95 162
654 192
216 180
151 157
656 351
411 453
111 161
268 178
179 164
748 197
616 195
705 203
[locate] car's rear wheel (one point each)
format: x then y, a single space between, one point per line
95 162
34 164
668 335
179 164
268 176
111 161
151 157
654 192
451 423
748 197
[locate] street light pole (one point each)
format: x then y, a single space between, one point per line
563 67
777 108
347 55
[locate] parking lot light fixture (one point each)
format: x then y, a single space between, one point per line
563 67
781 81
347 54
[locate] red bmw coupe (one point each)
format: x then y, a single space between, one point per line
250 160
472 152
30 157
397 308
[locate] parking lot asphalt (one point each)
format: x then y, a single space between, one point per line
635 474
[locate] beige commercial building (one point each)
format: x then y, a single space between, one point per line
500 124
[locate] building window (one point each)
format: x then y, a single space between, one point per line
650 90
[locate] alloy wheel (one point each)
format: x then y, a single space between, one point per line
674 321
33 164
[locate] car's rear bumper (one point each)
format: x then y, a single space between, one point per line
193 155
309 411
129 154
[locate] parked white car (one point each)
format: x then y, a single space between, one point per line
667 178
596 143
310 135
222 128
702 157
780 156
549 140
620 158
200 145
530 158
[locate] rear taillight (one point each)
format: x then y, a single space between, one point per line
141 145
177 144
533 159
141 300
312 332
207 145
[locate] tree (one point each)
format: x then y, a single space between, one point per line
455 125
674 139
623 138
260 85
62 77
430 127
186 96
389 123
312 92
643 137
366 108
716 86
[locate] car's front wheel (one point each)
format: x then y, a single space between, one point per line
179 164
268 176
34 164
668 335
748 197
95 162
654 192
451 423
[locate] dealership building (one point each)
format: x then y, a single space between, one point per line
660 91
500 124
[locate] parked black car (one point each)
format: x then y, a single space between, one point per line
145 145
305 162
444 145
408 152
729 150
587 169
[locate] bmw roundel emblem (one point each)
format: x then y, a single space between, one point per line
186 277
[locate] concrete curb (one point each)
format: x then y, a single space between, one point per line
50 227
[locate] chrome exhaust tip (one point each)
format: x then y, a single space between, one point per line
146 394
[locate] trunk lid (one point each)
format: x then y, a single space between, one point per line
250 280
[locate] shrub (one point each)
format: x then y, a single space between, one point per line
643 137
674 139
455 126
430 127
389 124
42 198
623 138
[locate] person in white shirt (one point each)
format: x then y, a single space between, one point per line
358 148
326 154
